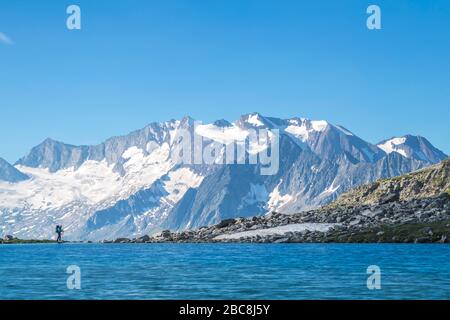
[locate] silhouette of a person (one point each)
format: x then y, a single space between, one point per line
59 231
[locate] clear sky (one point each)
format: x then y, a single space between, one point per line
135 62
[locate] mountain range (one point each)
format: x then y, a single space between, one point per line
132 185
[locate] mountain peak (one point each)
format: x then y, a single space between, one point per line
411 146
52 154
187 120
49 140
254 120
9 173
315 125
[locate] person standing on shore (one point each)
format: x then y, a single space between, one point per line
59 231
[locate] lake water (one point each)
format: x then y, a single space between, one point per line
225 271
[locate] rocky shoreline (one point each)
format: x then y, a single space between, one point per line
424 220
13 240
390 220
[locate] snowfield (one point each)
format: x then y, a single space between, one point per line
299 227
92 182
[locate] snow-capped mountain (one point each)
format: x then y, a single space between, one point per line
412 147
135 184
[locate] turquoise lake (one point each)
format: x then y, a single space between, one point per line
224 271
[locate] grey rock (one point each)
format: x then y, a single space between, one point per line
9 173
392 197
143 239
226 223
281 240
122 240
166 234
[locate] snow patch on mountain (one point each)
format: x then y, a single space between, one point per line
179 181
331 189
300 132
254 120
142 170
277 200
92 182
304 129
224 135
319 125
394 145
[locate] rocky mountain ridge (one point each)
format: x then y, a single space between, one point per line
131 185
425 183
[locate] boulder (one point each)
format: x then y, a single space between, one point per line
281 240
355 222
372 213
143 239
122 240
390 197
166 234
225 223
444 196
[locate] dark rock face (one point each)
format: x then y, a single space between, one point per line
226 223
10 174
55 155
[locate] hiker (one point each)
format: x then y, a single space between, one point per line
59 231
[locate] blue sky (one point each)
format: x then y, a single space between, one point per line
135 62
